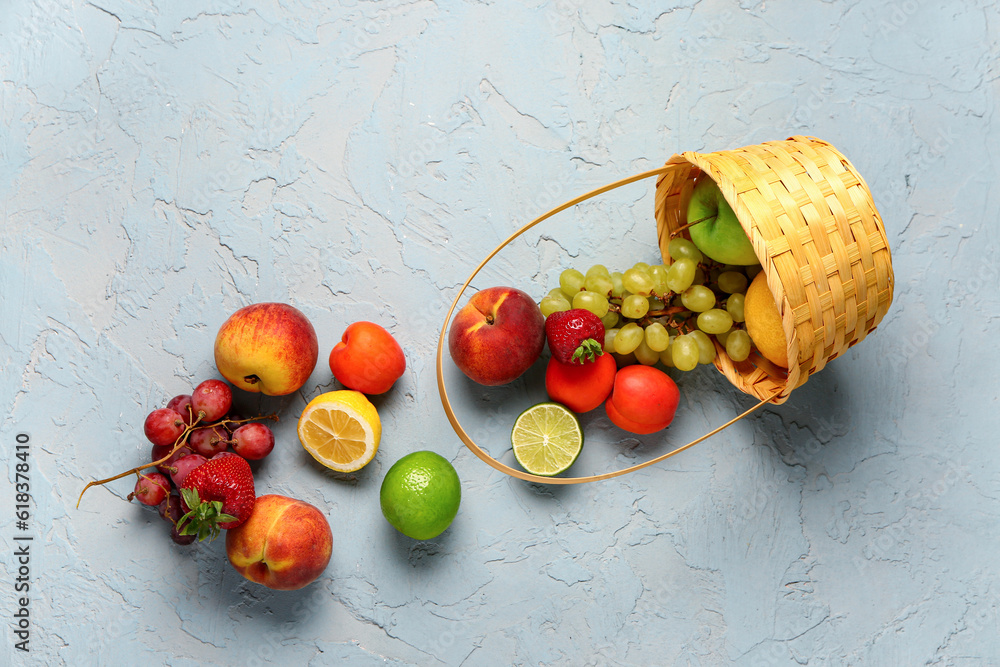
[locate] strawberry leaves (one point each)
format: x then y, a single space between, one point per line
588 350
205 517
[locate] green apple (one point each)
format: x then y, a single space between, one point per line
719 235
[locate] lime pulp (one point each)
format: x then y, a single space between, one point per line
547 439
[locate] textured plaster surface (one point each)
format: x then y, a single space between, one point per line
165 163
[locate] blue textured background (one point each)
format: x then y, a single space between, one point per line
163 166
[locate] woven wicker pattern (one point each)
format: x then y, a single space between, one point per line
821 242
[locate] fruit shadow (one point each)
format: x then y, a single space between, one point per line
259 406
385 401
366 478
625 448
268 610
488 413
535 492
808 429
423 554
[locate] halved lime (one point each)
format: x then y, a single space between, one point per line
546 438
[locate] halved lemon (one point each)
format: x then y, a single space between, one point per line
341 429
547 439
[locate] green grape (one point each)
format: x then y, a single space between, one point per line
623 360
637 282
658 273
706 350
598 270
609 339
558 295
592 301
645 355
634 306
571 282
680 275
657 337
723 336
715 321
732 282
642 266
667 356
617 286
734 306
738 345
698 298
610 320
753 270
699 276
654 303
598 283
551 305
684 249
684 353
628 338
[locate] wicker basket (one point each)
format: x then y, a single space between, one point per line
813 225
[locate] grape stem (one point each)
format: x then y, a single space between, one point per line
180 442
689 224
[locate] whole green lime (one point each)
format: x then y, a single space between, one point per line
420 495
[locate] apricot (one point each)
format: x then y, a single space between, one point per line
627 424
367 359
643 400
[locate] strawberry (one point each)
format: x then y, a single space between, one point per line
217 494
575 336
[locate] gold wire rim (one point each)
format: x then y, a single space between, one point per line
446 403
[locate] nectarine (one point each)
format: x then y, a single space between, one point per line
497 336
285 544
267 348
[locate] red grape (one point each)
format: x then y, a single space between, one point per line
180 403
211 400
184 466
253 441
209 441
183 540
163 426
223 454
159 452
170 508
230 419
151 489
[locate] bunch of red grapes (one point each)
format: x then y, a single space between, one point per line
189 431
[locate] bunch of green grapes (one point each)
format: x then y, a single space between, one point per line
663 313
